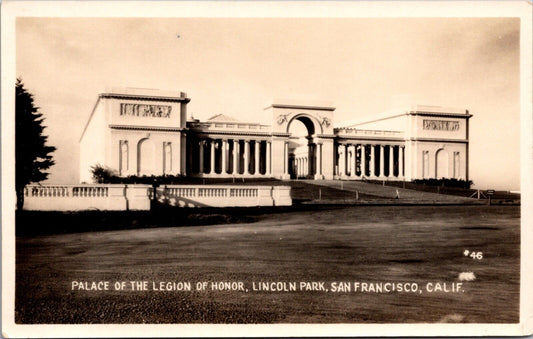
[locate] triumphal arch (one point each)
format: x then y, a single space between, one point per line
148 132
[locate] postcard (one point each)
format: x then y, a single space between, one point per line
266 168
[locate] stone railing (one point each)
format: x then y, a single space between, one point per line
224 196
367 132
207 126
119 197
114 197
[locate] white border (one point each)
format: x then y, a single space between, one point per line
12 9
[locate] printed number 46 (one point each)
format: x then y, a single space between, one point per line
476 255
473 255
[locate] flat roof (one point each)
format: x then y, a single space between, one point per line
405 110
142 92
302 104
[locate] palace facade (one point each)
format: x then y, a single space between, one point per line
146 132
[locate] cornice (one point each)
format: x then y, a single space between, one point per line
326 136
440 114
312 108
457 141
235 133
352 139
338 138
147 128
142 97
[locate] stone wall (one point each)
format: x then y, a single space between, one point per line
119 197
224 196
109 197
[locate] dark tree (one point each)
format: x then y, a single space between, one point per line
32 155
102 175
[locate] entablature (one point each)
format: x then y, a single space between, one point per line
465 115
440 140
373 140
236 127
230 134
147 128
353 132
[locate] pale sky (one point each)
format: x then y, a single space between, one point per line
238 66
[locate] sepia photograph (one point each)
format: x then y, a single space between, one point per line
300 168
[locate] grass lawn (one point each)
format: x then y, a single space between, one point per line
366 244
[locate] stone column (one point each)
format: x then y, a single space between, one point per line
212 160
363 161
201 160
353 162
268 169
381 161
188 163
224 158
235 157
246 156
400 162
346 160
286 158
257 145
319 160
339 160
372 160
342 160
391 161
182 157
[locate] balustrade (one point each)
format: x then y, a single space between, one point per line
66 191
180 191
212 192
90 191
243 192
137 197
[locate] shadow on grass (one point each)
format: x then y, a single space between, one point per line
32 223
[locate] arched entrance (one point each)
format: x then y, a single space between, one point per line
441 166
308 146
145 157
302 148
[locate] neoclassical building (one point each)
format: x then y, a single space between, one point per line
145 132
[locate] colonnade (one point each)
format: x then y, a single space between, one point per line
230 157
304 166
359 161
301 166
227 157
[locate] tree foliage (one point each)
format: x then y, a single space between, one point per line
32 155
102 174
105 175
